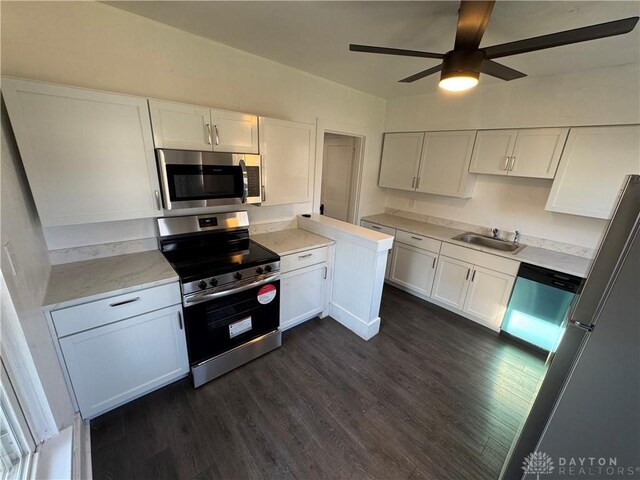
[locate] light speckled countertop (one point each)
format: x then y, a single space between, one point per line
561 262
285 242
89 280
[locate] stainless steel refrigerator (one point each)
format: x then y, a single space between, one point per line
585 420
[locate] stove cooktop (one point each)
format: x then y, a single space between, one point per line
194 264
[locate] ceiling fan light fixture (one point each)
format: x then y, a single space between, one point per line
459 82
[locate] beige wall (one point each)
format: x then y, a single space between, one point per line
596 97
20 229
97 46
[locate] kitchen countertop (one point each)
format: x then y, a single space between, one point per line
561 262
89 280
285 242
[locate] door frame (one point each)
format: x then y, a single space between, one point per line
326 126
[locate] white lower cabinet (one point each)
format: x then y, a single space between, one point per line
451 282
475 291
304 285
115 363
488 295
413 268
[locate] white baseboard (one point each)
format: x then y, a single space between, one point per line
82 469
357 325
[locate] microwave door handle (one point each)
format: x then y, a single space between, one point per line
245 182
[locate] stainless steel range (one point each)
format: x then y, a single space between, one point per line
230 290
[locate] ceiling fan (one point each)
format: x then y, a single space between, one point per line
461 67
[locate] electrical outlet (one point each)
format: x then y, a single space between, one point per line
412 203
11 258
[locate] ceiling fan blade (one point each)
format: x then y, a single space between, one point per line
577 35
498 70
393 51
473 18
422 74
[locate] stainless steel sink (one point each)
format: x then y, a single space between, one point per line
489 242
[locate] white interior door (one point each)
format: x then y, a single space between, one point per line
337 176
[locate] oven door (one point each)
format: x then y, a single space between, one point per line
201 179
224 322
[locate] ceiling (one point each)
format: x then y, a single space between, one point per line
313 36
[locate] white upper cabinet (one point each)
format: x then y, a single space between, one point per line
594 163
182 127
400 159
444 165
190 127
529 152
234 132
428 162
288 161
88 155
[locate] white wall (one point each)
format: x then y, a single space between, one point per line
20 229
93 45
596 97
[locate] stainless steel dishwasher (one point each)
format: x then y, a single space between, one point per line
540 301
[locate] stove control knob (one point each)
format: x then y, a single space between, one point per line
237 276
267 268
213 282
202 284
259 271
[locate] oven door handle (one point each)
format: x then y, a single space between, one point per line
245 181
203 297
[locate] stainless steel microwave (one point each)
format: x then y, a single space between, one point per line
204 179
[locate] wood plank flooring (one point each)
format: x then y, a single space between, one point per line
432 396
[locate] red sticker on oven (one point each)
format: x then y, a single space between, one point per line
266 294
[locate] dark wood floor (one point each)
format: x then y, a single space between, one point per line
432 396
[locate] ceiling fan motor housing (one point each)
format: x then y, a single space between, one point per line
457 63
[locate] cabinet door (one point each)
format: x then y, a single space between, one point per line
594 163
288 152
111 365
444 165
184 127
234 132
451 282
488 295
88 155
400 159
413 268
492 151
303 294
537 152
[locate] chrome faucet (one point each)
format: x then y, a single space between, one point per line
494 232
516 238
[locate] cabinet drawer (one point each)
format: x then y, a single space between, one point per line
378 228
101 312
486 260
303 259
419 241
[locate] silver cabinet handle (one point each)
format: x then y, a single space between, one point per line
326 272
209 133
416 238
434 263
375 227
300 257
158 203
124 302
417 182
473 276
413 182
468 272
217 135
512 163
180 320
507 159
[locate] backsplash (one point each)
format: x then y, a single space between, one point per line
525 239
90 252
